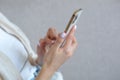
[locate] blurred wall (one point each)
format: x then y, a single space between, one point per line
98 32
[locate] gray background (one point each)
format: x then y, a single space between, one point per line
98 32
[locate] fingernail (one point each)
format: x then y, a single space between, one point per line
53 41
63 35
75 27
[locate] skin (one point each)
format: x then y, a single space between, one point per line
45 43
53 56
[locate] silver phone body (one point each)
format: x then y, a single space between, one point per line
72 22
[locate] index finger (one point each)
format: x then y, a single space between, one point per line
69 38
52 34
72 31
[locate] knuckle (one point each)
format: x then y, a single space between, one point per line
52 34
49 31
50 28
69 55
68 52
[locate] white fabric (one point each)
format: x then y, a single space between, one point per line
11 47
13 29
8 70
28 71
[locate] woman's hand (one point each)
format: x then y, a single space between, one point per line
57 55
45 43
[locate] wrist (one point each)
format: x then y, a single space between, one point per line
48 68
46 73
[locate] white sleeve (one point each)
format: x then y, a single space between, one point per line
57 76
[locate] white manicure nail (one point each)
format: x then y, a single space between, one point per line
53 41
63 35
75 26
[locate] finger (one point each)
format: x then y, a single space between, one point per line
68 42
52 34
42 42
72 31
48 41
69 38
60 40
39 52
74 42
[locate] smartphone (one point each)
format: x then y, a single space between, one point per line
73 20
